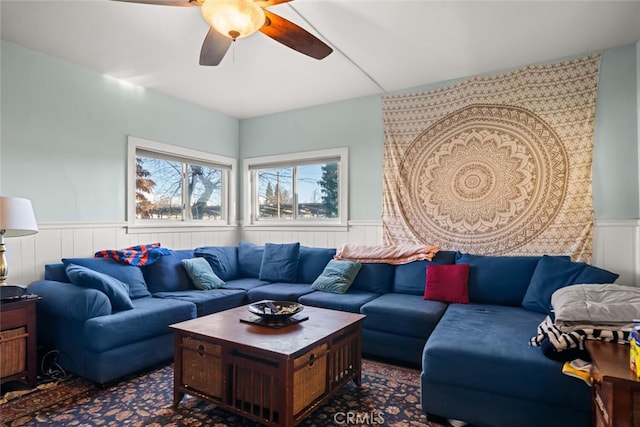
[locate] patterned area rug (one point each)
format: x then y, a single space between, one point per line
389 396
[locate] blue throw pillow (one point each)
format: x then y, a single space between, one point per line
222 259
114 289
249 259
201 274
280 262
553 273
337 276
129 274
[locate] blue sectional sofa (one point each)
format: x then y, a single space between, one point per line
477 364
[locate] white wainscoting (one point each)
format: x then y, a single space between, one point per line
616 243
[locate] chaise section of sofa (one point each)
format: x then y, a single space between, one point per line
477 364
477 367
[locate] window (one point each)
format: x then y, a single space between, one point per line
173 186
298 189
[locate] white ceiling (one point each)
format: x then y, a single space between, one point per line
379 45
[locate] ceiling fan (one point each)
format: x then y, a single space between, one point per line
234 19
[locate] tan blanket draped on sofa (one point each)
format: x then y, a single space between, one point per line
398 254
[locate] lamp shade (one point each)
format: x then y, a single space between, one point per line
16 217
233 18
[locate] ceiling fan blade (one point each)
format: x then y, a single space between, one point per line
214 48
186 3
293 36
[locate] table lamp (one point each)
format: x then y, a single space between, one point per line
16 219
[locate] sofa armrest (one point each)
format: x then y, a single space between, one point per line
70 301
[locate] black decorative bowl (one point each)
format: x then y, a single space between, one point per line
275 310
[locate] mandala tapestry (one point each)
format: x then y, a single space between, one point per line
494 165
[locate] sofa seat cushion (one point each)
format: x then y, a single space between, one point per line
244 284
486 347
209 301
350 301
150 317
279 292
403 314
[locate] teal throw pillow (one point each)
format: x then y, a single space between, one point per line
114 289
201 274
337 276
280 262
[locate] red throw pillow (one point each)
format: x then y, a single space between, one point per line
447 283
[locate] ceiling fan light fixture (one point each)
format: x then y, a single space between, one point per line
233 18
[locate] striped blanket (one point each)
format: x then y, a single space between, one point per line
574 339
135 255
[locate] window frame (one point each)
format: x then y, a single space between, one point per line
251 165
182 155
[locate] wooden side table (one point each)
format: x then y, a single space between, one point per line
616 391
18 355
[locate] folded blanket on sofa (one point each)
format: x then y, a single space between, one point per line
608 306
400 254
602 312
135 255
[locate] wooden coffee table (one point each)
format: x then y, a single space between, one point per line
276 376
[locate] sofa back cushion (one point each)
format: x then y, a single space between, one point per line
553 273
495 279
116 290
280 262
129 274
411 278
249 259
56 272
222 259
167 274
312 262
374 277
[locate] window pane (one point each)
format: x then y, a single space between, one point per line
275 193
205 192
317 191
158 189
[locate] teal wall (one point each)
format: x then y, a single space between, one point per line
357 124
64 134
615 150
64 128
